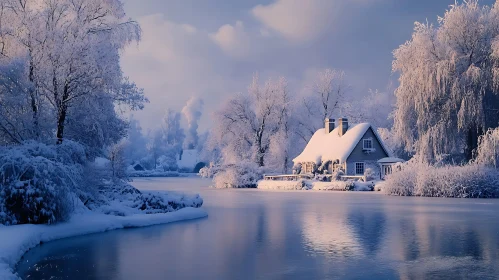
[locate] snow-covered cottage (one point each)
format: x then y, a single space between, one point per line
349 148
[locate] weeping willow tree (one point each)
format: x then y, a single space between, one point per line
449 82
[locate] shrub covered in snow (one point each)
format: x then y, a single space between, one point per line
283 185
371 174
209 171
122 199
487 152
242 175
45 183
334 186
37 181
469 181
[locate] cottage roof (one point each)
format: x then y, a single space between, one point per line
330 146
390 160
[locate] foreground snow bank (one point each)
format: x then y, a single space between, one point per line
17 240
316 185
469 181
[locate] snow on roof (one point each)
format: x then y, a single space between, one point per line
390 160
189 159
330 146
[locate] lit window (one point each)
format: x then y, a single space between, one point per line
359 168
368 144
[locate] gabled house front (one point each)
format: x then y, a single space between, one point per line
349 148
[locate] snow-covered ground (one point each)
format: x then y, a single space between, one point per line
17 240
316 185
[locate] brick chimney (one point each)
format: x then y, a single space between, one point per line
343 126
329 125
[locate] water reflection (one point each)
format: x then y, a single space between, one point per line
291 235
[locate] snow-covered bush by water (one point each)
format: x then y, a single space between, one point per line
469 181
122 199
45 183
487 152
242 175
37 182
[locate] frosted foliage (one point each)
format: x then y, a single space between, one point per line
116 154
37 181
247 123
448 82
327 97
192 112
71 51
241 175
488 149
420 179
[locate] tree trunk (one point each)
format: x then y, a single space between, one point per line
34 103
61 118
472 136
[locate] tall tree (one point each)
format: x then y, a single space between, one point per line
448 79
245 125
327 97
73 53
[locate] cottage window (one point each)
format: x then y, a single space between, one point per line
368 144
359 168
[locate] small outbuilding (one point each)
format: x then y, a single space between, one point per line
138 167
386 165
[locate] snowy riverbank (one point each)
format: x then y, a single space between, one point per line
17 240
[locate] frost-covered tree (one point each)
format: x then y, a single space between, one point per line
327 97
376 108
137 142
449 77
72 49
117 159
192 112
487 152
167 140
246 123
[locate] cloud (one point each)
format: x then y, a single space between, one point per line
297 20
174 62
233 39
304 20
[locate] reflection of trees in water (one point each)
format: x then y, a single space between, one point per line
368 224
432 241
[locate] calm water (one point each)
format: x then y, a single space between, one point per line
252 234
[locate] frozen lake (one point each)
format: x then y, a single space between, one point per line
255 234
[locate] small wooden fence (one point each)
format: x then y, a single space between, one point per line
296 177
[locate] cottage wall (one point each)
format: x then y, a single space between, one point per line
358 155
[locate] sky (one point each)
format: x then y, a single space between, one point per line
211 48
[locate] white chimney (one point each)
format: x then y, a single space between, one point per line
343 126
329 125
